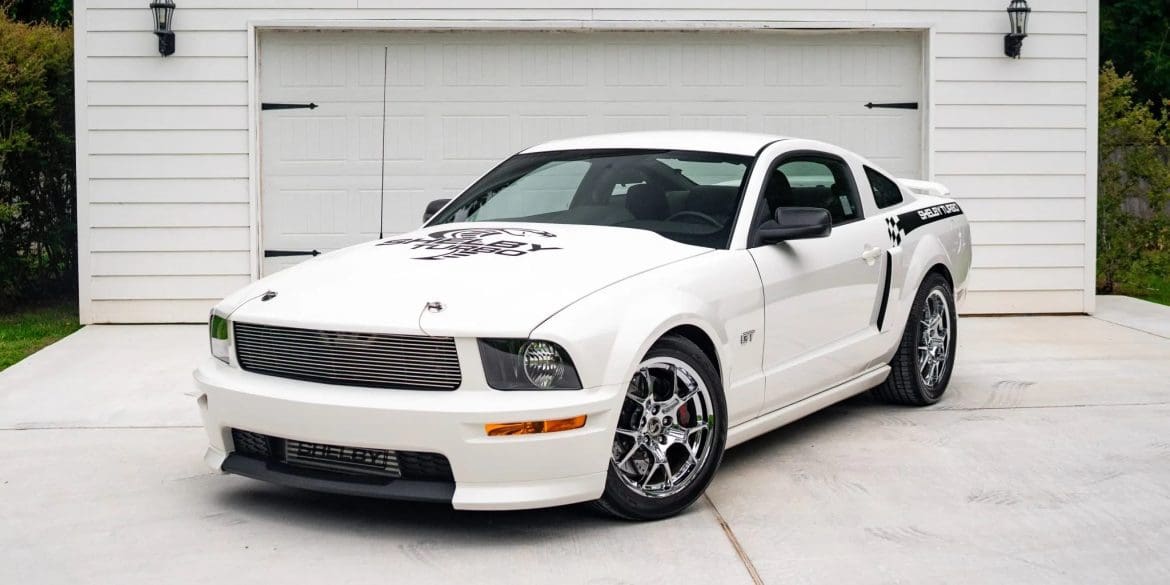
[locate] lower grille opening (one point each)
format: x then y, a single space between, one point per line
352 463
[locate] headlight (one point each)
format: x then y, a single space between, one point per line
522 364
219 336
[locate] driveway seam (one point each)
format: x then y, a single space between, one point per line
739 550
1130 327
1040 406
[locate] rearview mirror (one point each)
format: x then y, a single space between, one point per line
433 207
795 223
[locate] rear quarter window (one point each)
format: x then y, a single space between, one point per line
885 191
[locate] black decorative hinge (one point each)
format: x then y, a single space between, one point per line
282 253
272 106
894 105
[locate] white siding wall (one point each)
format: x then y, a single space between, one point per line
165 213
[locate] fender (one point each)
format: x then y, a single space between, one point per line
912 260
923 255
682 294
643 321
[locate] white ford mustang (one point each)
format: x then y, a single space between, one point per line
596 319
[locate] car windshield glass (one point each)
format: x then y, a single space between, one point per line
690 197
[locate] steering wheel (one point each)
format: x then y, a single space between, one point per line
696 214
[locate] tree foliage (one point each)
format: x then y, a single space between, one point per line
1135 37
1133 231
55 12
38 242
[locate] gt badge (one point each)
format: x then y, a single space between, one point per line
746 337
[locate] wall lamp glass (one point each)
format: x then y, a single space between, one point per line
1018 12
164 15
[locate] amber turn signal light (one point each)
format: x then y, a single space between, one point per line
534 426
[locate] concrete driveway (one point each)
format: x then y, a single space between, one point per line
1047 462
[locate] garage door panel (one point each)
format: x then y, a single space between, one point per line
458 102
756 95
299 214
738 123
312 139
537 128
404 209
873 66
310 65
870 133
402 137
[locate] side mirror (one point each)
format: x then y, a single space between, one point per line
795 223
433 207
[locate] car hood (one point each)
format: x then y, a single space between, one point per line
500 279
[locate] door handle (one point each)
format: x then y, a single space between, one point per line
870 254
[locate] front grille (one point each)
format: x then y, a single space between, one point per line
253 444
420 465
409 362
342 459
380 463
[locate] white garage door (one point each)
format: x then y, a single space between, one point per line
458 102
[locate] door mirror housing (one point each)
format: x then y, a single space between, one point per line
433 207
795 223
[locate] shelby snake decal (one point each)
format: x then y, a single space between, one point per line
897 226
464 242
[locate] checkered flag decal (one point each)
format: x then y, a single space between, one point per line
894 229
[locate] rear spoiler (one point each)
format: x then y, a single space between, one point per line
926 187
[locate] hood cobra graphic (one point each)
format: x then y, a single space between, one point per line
470 241
383 289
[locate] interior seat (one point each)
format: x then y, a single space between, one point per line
812 197
717 201
647 202
778 193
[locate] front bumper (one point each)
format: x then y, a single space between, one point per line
490 473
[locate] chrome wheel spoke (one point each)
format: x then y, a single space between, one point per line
629 454
649 380
673 382
661 442
934 345
649 475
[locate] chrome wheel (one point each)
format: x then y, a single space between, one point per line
665 429
934 339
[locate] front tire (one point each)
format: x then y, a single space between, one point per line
921 369
670 434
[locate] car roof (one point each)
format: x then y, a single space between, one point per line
742 143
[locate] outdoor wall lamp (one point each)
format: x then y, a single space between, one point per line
164 13
1018 12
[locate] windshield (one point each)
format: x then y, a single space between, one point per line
690 197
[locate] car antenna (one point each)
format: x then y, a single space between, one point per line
382 186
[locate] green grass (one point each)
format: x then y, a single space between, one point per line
1151 287
27 330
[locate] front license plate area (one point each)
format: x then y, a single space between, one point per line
353 460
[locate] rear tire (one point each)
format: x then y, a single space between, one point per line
670 434
921 368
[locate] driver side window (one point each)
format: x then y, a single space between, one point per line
813 181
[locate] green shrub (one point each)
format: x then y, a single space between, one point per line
38 236
1133 231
